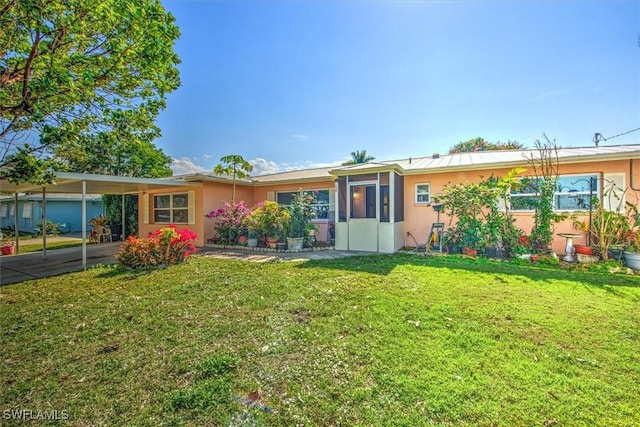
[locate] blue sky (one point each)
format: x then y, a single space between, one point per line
290 84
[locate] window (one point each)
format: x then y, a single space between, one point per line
342 199
320 203
398 198
27 210
423 193
572 193
525 197
384 203
171 208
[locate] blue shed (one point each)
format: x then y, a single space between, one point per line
62 209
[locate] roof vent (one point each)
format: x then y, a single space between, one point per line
435 155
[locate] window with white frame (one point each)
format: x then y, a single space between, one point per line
576 192
320 204
423 193
171 208
573 193
525 196
27 210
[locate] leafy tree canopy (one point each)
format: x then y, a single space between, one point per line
82 72
480 144
359 157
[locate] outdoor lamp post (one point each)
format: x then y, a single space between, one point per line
591 182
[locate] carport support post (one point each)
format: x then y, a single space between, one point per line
15 225
123 225
84 225
44 223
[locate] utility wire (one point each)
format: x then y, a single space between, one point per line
597 137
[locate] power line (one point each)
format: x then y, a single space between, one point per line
598 137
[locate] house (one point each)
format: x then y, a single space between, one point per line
63 209
374 206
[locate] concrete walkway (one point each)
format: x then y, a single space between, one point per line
18 268
278 256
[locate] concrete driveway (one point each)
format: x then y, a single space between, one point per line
18 268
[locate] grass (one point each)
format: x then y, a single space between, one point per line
378 340
37 247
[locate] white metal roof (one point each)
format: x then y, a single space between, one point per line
64 197
67 182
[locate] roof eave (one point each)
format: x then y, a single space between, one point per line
525 162
393 167
293 181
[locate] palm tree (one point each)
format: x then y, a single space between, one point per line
234 165
359 157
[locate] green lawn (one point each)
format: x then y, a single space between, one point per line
37 247
379 340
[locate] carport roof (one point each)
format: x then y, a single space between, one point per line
67 182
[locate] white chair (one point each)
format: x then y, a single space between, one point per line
105 236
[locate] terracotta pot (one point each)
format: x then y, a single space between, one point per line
471 252
6 250
584 250
272 242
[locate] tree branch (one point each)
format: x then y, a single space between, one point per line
6 7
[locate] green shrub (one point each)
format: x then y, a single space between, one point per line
165 246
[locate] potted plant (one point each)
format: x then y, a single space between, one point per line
632 253
522 248
452 240
6 247
300 214
472 238
253 230
252 240
269 219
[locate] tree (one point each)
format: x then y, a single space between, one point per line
359 157
236 166
545 166
480 144
79 68
105 154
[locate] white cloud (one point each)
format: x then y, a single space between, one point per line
300 136
263 167
184 165
206 156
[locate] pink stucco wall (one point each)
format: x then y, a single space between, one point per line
197 227
418 218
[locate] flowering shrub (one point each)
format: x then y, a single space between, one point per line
230 222
268 219
165 246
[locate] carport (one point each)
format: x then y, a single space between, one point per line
81 183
